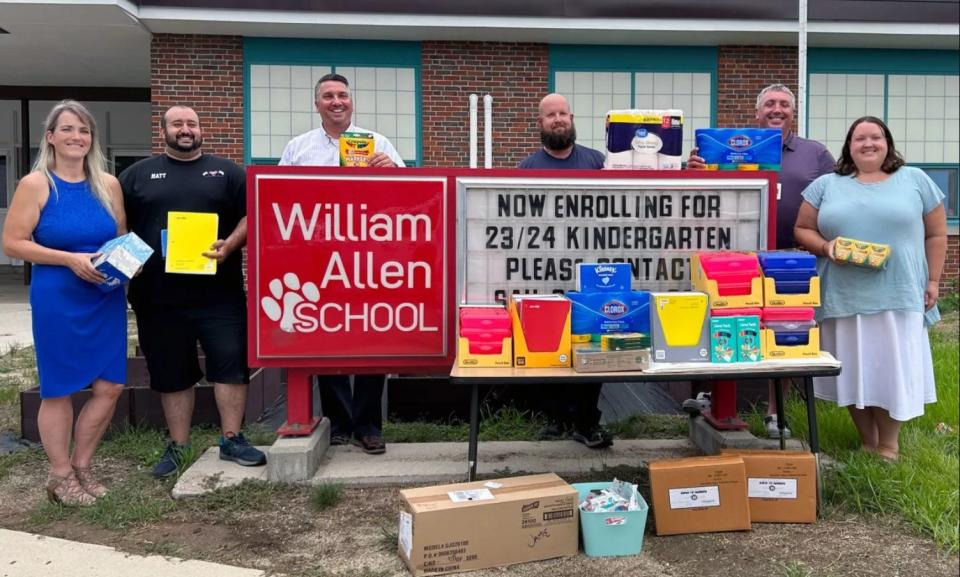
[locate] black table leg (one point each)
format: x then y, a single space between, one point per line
474 432
781 419
814 437
811 414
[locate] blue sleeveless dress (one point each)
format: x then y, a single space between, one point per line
79 331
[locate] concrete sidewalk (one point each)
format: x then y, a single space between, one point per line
16 327
26 555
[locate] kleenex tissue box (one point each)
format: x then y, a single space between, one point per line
120 259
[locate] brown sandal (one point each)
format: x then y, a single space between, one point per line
89 482
67 491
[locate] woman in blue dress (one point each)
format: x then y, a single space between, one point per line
874 321
61 213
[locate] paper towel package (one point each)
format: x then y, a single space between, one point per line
740 148
120 259
644 139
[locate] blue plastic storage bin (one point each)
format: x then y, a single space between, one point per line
611 534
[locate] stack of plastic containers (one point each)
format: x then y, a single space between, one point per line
485 338
791 290
731 279
790 279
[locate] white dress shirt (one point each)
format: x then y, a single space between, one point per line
317 148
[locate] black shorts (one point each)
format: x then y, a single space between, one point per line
169 336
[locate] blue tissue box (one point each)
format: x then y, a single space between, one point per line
609 276
120 259
609 312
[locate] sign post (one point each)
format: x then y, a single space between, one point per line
350 271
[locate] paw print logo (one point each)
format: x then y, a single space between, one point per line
287 295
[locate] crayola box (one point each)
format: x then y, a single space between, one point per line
679 327
740 148
861 252
356 148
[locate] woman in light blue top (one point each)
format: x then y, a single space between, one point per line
873 320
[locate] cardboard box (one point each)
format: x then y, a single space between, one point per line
468 526
541 331
781 485
591 358
700 495
356 148
611 276
120 259
679 327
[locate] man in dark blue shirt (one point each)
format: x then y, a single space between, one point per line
568 406
558 135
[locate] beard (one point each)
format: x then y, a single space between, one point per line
173 143
558 140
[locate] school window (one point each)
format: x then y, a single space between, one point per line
917 93
597 79
281 101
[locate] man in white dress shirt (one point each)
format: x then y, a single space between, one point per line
356 415
321 146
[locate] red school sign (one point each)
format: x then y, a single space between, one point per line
350 269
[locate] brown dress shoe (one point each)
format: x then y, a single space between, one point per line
371 445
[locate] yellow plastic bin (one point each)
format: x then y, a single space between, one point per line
612 534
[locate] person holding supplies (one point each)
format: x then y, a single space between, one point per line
174 200
61 213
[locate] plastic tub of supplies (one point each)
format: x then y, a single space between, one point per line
611 534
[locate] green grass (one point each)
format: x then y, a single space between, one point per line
950 300
650 426
25 458
923 488
248 495
325 495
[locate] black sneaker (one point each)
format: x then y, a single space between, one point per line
238 449
595 438
174 457
337 440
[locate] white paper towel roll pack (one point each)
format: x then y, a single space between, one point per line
644 139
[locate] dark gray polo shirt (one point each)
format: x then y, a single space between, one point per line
803 161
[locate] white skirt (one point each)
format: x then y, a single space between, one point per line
886 363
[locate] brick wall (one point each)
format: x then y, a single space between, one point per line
514 74
205 73
951 269
743 71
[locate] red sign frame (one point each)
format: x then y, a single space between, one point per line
351 270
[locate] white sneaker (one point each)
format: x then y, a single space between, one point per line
773 430
698 405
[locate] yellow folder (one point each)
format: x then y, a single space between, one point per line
189 235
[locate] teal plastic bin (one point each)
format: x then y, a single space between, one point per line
611 534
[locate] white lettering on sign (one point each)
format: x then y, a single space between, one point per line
298 308
350 222
365 272
695 497
527 236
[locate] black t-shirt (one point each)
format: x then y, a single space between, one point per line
155 186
